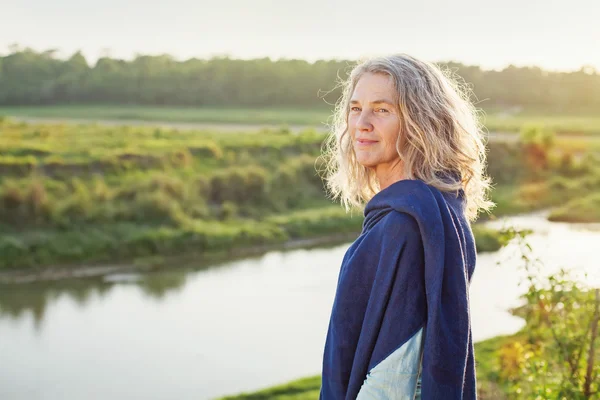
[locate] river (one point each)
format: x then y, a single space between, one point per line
192 333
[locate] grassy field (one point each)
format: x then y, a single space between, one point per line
73 194
561 124
92 194
76 194
267 116
494 120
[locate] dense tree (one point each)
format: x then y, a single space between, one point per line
28 77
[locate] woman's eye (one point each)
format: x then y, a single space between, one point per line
382 110
356 109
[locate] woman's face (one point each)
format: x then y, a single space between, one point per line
374 122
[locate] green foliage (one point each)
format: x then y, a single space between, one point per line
560 122
239 185
176 184
508 201
34 78
536 143
327 220
556 357
79 177
487 239
228 211
117 242
586 209
538 135
302 389
504 162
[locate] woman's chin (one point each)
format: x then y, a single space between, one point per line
367 163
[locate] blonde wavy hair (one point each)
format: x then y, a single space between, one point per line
440 136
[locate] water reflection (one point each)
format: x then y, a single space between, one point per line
157 286
35 299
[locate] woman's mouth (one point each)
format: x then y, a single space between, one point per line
365 142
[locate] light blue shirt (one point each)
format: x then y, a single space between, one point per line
397 377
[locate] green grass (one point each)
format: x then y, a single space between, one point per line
74 194
586 209
507 201
85 193
493 120
486 353
271 116
561 124
487 240
302 389
326 220
123 241
128 241
579 144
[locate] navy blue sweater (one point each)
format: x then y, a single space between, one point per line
409 269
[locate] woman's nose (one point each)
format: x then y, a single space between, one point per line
363 123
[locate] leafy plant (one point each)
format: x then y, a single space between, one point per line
558 358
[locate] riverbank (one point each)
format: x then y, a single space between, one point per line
53 273
486 358
104 196
487 240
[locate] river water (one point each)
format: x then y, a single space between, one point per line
194 333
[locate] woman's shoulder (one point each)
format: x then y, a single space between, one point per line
411 195
425 203
396 225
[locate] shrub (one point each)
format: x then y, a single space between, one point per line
249 186
536 143
504 162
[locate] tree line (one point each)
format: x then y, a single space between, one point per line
29 77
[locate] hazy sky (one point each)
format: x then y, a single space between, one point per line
554 34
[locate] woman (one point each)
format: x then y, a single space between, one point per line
406 143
